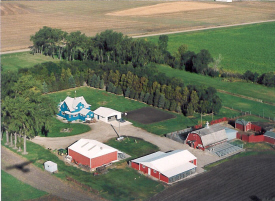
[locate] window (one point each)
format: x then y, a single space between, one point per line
155 171
143 166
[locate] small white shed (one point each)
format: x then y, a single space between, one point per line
50 166
107 114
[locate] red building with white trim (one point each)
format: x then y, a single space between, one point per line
243 125
167 167
207 137
92 153
269 137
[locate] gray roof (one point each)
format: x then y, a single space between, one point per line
241 121
212 134
270 134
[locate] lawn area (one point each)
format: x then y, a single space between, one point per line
14 61
57 126
135 147
117 184
254 119
98 98
14 190
247 47
242 104
243 88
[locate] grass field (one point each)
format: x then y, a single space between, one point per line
133 146
21 19
242 48
118 184
243 88
14 190
57 126
15 61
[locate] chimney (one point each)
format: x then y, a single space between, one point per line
207 125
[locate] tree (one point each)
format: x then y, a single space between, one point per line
118 90
156 98
173 106
163 42
150 99
127 92
110 87
178 108
132 94
161 101
71 82
194 100
167 104
190 110
141 97
101 86
146 97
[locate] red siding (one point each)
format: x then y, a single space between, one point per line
79 158
269 140
240 127
105 159
239 136
155 174
252 138
135 165
144 169
256 128
248 126
218 120
196 138
164 178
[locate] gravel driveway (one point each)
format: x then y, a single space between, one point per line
102 132
40 179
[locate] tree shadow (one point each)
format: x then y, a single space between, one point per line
254 198
20 167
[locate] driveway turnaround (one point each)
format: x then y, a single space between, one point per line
23 170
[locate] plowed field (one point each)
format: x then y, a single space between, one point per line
20 19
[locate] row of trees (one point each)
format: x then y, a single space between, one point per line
25 112
144 84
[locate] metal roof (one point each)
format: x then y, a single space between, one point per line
212 134
168 164
242 122
270 134
106 112
91 148
73 102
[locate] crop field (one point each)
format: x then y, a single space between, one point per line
20 19
257 91
13 62
249 47
245 178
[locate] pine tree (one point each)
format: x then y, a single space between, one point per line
110 87
114 89
119 90
97 82
141 97
101 86
150 99
136 96
173 106
190 110
178 108
45 87
146 97
167 104
161 101
71 82
127 92
156 98
132 94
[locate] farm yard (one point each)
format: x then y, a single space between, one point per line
245 178
23 18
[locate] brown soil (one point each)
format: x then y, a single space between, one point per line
21 19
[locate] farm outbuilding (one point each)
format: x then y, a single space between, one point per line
107 114
167 167
50 166
243 125
269 137
207 137
92 153
230 133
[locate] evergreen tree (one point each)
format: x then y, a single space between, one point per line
161 101
167 104
190 110
146 97
110 87
178 108
114 89
97 82
132 94
136 96
141 97
45 87
156 98
71 82
119 90
127 92
92 81
101 86
173 106
150 99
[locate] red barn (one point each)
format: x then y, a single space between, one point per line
243 125
92 153
167 167
269 137
207 137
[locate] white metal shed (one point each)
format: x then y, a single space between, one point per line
50 166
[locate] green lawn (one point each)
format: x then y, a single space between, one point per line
133 146
253 118
98 98
57 126
15 61
249 47
14 190
118 184
243 88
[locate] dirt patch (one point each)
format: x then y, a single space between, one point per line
164 8
148 115
240 179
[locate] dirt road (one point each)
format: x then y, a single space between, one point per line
42 180
102 132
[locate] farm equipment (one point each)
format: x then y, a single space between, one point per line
118 137
62 152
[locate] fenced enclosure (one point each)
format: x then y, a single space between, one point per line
180 135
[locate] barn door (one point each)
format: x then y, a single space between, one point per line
149 171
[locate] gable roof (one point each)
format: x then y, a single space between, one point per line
212 134
105 112
73 102
168 164
242 122
270 134
91 148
